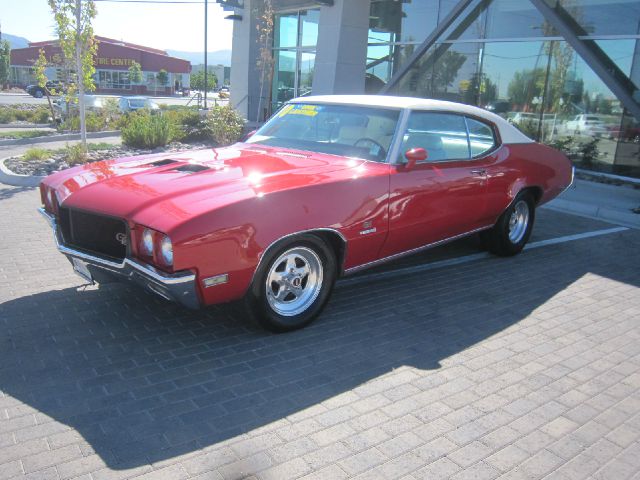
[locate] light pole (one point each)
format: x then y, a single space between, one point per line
206 8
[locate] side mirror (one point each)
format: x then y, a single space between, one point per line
414 156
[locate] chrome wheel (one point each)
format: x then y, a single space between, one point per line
518 221
294 281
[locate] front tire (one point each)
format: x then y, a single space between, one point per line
292 284
512 230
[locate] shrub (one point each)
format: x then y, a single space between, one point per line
41 115
564 144
75 154
191 125
36 154
225 125
95 122
142 130
24 113
590 152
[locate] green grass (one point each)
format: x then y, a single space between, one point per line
92 147
37 154
73 153
24 134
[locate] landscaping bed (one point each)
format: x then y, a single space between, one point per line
42 162
20 134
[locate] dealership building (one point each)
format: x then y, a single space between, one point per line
556 68
112 64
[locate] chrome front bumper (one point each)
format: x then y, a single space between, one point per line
178 287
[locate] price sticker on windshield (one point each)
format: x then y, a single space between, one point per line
297 109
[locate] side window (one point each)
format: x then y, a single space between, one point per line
442 135
481 137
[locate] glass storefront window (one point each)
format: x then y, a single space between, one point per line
446 72
284 79
515 18
305 72
402 21
493 58
604 17
294 55
113 79
286 30
309 20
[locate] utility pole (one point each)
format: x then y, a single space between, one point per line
206 85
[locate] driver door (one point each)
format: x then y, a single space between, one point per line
442 196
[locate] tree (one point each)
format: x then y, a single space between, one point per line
197 80
265 61
5 63
41 79
135 73
73 25
525 86
162 77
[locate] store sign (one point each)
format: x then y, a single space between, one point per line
119 62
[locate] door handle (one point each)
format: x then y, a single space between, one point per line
480 172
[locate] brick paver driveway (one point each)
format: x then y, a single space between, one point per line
524 367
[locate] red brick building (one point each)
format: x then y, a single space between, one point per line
112 64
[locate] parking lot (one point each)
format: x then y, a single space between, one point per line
449 364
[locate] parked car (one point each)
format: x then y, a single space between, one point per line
586 125
327 187
55 87
132 104
92 103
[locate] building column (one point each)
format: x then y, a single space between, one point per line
245 78
341 54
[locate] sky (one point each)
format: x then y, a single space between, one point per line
170 26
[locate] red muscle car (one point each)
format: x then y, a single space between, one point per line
327 187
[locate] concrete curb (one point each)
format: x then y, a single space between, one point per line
16 180
610 176
609 215
25 127
58 138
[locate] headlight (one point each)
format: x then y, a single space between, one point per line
166 250
146 246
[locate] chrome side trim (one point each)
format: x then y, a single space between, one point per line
179 286
395 256
573 179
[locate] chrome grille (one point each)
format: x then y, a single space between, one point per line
95 233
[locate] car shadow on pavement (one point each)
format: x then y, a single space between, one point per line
143 380
8 192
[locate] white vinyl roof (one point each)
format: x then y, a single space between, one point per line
508 133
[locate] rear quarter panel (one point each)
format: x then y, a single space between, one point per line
525 165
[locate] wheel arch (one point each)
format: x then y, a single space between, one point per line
535 191
335 240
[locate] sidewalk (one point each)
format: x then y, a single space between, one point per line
601 201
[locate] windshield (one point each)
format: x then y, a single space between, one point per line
347 130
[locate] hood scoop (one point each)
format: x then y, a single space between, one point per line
191 168
160 163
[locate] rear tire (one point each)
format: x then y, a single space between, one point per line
512 230
292 284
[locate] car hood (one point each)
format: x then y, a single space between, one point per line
164 190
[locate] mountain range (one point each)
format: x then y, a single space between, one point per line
15 41
218 57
